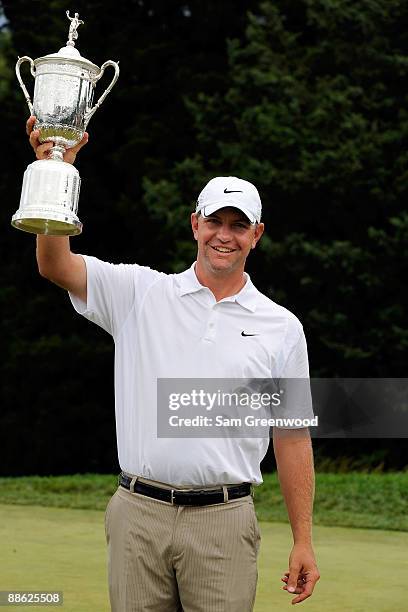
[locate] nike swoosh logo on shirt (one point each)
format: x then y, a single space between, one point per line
244 334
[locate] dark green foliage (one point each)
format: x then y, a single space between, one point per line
306 98
57 408
315 115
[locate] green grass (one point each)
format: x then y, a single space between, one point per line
64 549
376 501
84 491
55 549
361 570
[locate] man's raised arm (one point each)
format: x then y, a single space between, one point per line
59 265
55 260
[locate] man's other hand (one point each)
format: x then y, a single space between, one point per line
303 573
42 150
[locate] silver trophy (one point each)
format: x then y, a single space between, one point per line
63 94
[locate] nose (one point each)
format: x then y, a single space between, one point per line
224 233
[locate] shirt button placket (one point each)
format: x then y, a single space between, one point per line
211 327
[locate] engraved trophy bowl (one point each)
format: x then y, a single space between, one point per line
63 95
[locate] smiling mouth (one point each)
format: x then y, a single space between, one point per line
222 249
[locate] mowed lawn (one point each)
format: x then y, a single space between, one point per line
64 549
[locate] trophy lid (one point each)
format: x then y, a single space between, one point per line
69 54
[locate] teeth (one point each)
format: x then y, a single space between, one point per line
223 250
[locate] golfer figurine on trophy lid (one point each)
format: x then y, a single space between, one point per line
63 94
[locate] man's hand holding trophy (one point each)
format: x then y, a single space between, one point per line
42 150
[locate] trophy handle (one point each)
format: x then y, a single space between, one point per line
20 61
115 65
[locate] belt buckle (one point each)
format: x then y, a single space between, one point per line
172 497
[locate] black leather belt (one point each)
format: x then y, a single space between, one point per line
191 497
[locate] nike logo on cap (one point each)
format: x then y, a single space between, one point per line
237 191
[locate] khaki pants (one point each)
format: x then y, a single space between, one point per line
165 558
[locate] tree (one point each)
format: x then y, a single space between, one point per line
56 370
315 115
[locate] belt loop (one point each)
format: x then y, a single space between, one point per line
132 484
225 490
252 491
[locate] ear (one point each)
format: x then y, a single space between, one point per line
259 230
194 225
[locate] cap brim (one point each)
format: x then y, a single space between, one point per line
206 211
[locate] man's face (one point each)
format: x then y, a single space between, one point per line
224 239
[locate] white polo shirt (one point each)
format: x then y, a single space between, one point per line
170 326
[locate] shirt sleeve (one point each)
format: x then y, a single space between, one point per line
112 291
297 362
296 399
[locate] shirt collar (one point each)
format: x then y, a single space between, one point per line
189 283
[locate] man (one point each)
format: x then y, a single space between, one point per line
181 528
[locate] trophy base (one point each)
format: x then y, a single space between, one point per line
49 199
40 224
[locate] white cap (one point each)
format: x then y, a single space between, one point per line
224 191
